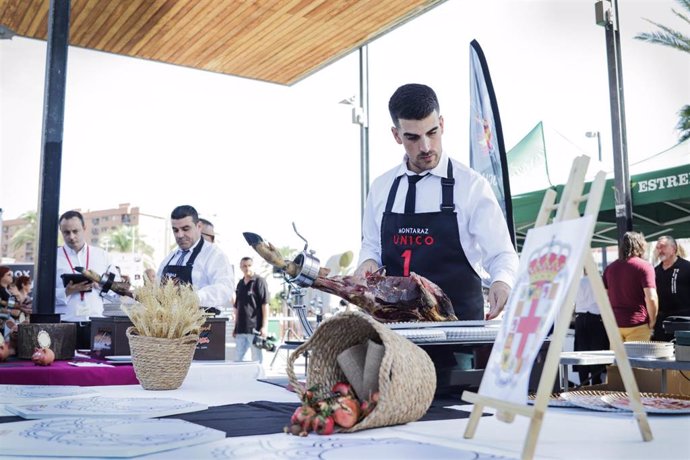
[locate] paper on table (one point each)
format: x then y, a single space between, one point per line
322 448
102 437
88 364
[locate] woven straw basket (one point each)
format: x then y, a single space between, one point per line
159 363
407 378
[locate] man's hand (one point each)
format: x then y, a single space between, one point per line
498 296
72 288
264 331
368 266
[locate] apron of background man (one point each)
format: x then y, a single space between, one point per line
182 273
429 245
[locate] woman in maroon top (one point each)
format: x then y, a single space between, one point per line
631 286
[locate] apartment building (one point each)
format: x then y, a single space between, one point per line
153 230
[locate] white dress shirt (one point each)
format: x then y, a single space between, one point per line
584 300
482 230
73 307
212 274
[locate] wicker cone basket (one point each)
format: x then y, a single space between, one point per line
407 378
160 363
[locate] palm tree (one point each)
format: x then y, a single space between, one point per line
677 40
28 233
126 239
684 123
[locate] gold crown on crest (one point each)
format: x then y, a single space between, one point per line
545 267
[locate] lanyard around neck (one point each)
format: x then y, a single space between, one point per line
72 266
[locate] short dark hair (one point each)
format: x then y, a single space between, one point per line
243 259
22 281
205 222
633 245
71 215
183 211
412 102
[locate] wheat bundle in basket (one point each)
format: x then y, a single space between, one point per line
407 378
167 321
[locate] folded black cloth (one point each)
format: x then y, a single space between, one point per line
266 417
11 418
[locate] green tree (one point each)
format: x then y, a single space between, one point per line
126 239
28 233
666 36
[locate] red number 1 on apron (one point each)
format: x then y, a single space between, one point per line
407 256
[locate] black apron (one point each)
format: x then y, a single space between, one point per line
182 273
429 245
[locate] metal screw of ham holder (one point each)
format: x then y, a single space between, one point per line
308 263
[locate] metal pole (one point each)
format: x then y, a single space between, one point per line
51 158
607 15
364 125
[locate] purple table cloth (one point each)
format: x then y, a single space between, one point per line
21 372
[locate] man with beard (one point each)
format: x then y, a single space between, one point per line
672 284
197 262
442 221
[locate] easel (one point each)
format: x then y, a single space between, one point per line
567 209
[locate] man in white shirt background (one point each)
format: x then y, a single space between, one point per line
590 333
442 221
77 302
196 261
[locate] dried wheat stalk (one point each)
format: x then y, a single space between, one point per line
166 310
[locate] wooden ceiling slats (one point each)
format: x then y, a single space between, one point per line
80 13
148 46
317 46
138 19
117 22
304 7
29 16
267 42
108 24
178 35
211 18
317 49
8 13
263 26
232 25
280 41
153 23
98 14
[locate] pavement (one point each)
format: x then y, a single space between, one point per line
270 371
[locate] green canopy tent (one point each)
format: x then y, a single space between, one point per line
660 191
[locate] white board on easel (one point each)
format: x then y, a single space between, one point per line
551 260
549 303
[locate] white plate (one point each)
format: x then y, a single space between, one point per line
653 403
